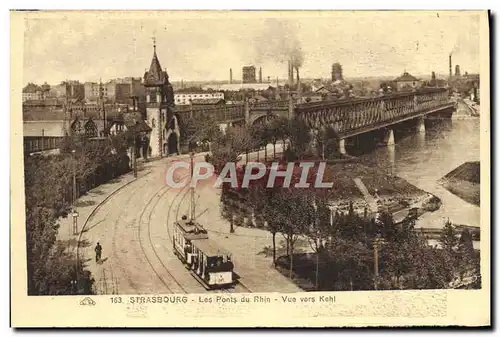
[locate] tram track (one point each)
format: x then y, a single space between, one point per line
222 290
115 254
151 203
146 243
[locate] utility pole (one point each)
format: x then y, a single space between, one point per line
317 268
74 179
43 139
375 261
193 214
134 154
377 243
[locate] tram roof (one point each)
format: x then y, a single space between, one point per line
191 226
210 248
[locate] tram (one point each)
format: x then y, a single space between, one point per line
208 262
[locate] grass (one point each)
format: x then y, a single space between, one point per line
464 182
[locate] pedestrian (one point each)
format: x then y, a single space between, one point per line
98 250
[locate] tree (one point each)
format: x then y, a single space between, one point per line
326 140
227 147
278 130
319 230
448 237
267 201
201 128
50 272
261 136
300 137
469 261
296 216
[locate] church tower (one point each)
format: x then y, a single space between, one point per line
159 110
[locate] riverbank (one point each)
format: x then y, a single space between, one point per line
464 182
373 190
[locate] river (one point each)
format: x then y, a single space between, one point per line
423 158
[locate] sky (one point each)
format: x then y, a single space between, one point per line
198 46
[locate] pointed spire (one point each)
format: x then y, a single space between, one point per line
155 75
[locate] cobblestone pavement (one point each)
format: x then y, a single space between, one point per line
134 226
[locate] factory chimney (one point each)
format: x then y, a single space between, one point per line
450 66
230 75
290 74
260 75
298 84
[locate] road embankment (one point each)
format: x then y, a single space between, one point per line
464 182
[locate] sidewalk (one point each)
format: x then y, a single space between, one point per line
87 204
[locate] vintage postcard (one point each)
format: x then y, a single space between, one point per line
250 168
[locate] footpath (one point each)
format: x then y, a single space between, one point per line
90 203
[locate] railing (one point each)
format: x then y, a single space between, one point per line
348 115
282 104
223 113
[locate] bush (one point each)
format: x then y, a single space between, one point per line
49 191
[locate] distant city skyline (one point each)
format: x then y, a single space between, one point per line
202 47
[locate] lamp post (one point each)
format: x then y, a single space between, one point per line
74 288
135 155
75 222
73 197
74 178
377 243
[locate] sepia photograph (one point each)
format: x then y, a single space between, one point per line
265 159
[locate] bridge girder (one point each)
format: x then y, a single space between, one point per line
353 117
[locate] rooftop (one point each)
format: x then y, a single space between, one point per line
238 86
155 76
406 77
207 101
211 248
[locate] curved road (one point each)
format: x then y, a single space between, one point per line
134 228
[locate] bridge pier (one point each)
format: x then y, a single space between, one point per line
389 138
421 125
342 146
247 112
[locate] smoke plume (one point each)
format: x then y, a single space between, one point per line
279 42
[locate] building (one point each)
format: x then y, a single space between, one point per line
322 91
164 137
186 98
237 87
337 74
92 91
208 102
316 84
58 117
311 97
69 89
457 70
249 74
407 82
35 92
118 90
